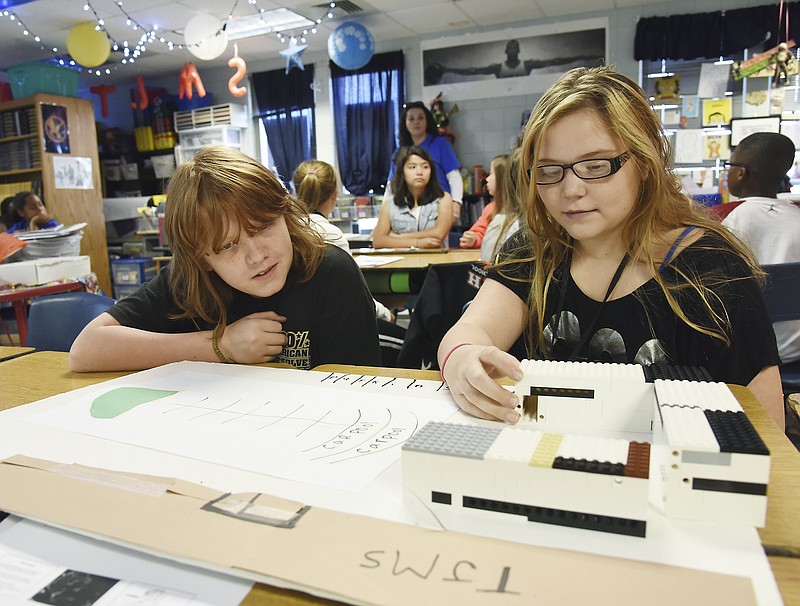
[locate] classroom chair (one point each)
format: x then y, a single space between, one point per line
55 321
447 288
782 296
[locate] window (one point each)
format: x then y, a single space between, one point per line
366 108
285 105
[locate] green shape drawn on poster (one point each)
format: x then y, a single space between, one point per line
119 401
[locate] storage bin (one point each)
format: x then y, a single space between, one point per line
28 79
132 271
123 290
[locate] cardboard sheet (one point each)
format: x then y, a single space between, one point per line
339 555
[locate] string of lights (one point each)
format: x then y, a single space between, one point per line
151 34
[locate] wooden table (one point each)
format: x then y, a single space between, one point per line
9 352
43 374
406 275
19 297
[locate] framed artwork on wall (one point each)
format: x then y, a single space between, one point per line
742 127
515 61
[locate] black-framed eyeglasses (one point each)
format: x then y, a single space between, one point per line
727 164
596 168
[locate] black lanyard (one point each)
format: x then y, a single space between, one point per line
562 300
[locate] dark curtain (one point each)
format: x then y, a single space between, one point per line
715 34
366 107
285 104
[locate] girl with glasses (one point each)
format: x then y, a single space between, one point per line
614 263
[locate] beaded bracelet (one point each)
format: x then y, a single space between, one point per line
215 346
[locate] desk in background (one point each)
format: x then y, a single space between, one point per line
21 296
9 352
42 374
406 275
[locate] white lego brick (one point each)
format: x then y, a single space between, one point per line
688 429
707 396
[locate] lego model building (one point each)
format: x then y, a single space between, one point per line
709 459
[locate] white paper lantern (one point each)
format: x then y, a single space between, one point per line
205 38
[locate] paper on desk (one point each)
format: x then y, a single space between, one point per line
55 232
344 556
339 431
38 560
374 261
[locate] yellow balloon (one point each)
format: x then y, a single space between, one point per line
88 46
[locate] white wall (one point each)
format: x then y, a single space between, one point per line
483 127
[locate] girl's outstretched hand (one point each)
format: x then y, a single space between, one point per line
255 338
470 372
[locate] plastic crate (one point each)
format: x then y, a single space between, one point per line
123 290
132 271
28 79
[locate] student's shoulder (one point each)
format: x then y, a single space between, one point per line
713 252
334 258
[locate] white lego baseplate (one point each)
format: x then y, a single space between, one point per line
711 461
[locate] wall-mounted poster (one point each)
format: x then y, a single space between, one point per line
717 111
690 106
742 127
510 61
667 89
56 129
72 172
716 147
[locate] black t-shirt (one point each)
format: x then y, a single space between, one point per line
330 319
642 328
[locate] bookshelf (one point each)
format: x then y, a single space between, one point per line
26 160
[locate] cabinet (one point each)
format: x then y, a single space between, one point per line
192 141
214 125
25 159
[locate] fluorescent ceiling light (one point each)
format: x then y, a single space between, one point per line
268 22
661 75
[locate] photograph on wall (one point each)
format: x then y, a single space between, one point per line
717 111
510 61
56 129
742 127
72 172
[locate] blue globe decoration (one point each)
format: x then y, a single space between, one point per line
351 46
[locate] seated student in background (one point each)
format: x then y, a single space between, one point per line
616 264
501 217
249 282
4 206
26 212
317 187
770 225
418 127
473 237
419 214
508 218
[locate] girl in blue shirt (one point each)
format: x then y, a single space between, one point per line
27 213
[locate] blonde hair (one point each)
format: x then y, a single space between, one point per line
511 203
659 209
219 189
315 182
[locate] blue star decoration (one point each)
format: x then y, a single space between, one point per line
293 54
